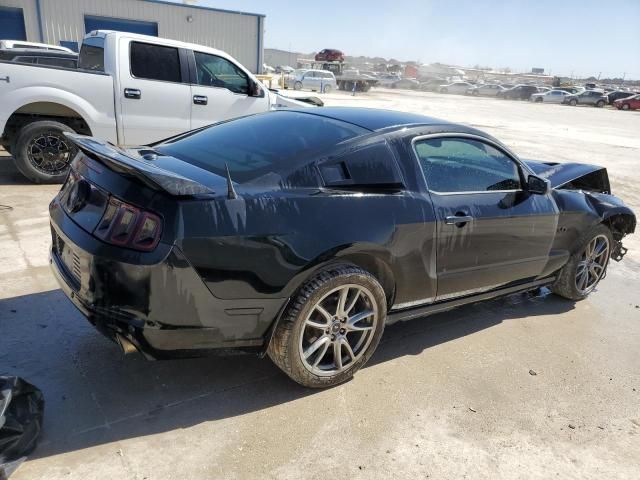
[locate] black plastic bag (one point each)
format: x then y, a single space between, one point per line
21 411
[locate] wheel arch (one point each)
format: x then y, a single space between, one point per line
621 222
45 110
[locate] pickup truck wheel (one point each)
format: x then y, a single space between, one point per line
586 266
331 328
42 152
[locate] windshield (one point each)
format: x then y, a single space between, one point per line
259 145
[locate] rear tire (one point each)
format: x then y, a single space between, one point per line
328 88
309 341
42 153
569 282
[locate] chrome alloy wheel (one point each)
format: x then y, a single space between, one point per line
593 264
338 330
50 153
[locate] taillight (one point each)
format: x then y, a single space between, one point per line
127 226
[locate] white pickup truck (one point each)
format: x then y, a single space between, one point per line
129 90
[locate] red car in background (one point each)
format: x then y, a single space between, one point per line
629 103
330 55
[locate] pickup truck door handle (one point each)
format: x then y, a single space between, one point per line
459 220
200 99
132 93
5 79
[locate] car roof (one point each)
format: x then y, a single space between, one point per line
373 118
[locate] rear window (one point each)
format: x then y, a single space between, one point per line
92 54
260 146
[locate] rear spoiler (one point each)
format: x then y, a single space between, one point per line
122 162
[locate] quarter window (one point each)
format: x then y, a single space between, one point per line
214 71
155 62
453 165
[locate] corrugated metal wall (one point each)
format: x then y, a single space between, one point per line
30 17
238 34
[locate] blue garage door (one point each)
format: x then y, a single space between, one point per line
12 24
121 25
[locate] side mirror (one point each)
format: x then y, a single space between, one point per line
538 185
255 90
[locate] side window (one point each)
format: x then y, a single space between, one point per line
25 59
465 165
155 62
216 71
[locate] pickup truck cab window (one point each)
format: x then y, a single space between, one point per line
92 54
214 71
455 165
155 62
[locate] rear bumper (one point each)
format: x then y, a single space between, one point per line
164 309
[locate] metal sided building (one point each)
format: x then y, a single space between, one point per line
65 22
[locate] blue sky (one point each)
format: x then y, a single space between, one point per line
585 37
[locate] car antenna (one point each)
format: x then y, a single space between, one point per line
231 192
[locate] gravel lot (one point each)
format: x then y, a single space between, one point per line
520 387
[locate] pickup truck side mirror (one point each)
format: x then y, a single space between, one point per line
538 185
255 90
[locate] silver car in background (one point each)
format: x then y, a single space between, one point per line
317 80
485 90
455 87
551 96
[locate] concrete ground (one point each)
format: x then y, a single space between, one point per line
520 387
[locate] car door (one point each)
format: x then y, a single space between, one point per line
490 230
221 90
154 96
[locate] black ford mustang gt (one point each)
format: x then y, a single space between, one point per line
303 233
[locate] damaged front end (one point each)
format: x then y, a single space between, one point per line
583 194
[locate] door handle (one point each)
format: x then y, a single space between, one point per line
200 99
132 93
5 79
458 220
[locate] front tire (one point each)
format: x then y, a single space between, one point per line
625 106
331 328
42 153
297 86
586 266
573 102
600 103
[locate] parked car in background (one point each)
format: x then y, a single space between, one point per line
459 88
387 79
507 86
406 83
519 92
129 89
629 103
226 236
551 96
488 90
329 55
588 97
268 68
9 44
573 89
317 80
543 89
432 84
40 56
284 69
618 95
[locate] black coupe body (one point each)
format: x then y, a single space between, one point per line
254 232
